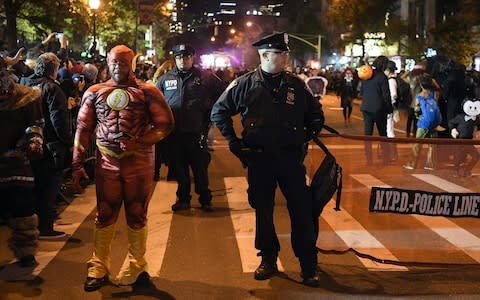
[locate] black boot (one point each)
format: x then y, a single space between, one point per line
266 269
207 207
143 281
28 261
92 284
180 205
311 278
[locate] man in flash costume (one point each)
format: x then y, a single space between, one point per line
128 117
21 139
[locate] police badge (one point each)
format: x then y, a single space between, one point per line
290 96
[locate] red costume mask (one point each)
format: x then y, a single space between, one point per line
120 64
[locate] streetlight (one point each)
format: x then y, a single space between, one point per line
250 25
317 47
94 5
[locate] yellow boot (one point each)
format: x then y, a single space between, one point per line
137 246
99 264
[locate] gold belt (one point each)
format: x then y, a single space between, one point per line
111 153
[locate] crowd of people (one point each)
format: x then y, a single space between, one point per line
437 84
130 117
122 110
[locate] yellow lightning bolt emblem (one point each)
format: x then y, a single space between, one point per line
118 99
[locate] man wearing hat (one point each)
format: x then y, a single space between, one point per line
128 116
279 115
190 92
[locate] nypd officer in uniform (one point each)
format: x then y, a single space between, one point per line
190 92
278 116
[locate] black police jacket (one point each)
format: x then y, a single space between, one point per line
272 119
191 97
376 94
55 112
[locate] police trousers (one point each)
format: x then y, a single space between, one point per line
188 151
285 168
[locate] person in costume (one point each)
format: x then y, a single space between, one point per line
128 116
21 139
462 126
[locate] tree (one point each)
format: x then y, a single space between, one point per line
116 20
161 28
303 21
453 36
355 17
36 17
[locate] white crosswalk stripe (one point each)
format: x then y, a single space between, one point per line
456 235
74 214
243 218
356 236
346 231
445 228
159 221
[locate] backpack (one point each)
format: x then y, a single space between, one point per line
327 179
404 94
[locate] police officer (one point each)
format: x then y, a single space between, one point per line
278 116
190 92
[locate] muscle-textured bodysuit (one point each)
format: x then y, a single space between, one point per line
115 113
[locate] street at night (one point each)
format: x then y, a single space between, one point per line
199 255
153 149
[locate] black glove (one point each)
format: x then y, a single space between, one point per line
310 134
238 148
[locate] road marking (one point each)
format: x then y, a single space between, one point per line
369 181
356 236
75 214
441 183
454 234
159 224
243 219
450 231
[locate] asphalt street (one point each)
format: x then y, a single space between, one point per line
199 255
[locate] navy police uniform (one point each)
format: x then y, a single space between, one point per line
191 95
278 116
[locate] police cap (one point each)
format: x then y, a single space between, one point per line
274 41
183 49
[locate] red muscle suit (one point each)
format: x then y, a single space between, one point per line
128 117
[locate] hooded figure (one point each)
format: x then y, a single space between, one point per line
20 141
